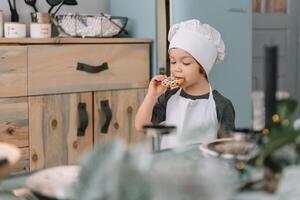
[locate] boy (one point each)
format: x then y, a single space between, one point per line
194 108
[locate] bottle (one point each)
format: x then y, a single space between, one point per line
155 133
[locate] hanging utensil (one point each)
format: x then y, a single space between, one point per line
53 3
16 15
32 4
13 10
66 2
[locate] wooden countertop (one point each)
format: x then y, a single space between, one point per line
66 40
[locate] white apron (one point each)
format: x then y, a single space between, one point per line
195 120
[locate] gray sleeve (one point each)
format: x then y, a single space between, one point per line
225 114
159 110
227 119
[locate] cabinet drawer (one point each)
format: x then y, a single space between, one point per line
14 121
53 68
13 71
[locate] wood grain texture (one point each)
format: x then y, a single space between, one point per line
52 69
13 71
64 40
23 164
53 129
14 121
45 127
124 105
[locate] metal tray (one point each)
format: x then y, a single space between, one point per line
230 149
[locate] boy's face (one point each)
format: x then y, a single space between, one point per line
183 65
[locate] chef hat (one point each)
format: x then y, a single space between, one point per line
202 41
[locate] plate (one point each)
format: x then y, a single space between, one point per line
9 156
229 148
54 182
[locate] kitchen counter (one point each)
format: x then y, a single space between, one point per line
17 182
190 153
68 40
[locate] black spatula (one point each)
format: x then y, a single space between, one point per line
53 3
13 10
32 4
66 2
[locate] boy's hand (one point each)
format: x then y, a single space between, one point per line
155 88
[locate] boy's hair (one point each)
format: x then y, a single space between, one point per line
202 71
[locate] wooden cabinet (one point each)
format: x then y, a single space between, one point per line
59 95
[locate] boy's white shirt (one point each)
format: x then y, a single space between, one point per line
195 120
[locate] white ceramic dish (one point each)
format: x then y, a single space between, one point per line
54 182
9 156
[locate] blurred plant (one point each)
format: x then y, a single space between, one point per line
279 134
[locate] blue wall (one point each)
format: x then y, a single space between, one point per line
141 23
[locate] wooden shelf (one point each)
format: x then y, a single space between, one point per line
61 40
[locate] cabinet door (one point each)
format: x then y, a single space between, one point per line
123 105
14 127
54 121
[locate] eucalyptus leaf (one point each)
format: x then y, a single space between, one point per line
285 110
281 138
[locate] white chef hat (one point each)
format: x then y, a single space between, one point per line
202 41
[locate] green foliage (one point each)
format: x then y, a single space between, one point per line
281 132
278 138
285 110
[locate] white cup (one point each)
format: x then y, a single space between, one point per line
40 30
14 30
41 18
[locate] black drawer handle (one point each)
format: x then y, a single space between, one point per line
92 69
108 114
83 119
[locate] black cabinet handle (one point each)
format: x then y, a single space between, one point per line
108 114
83 119
92 69
3 161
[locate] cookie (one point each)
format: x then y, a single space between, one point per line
172 82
